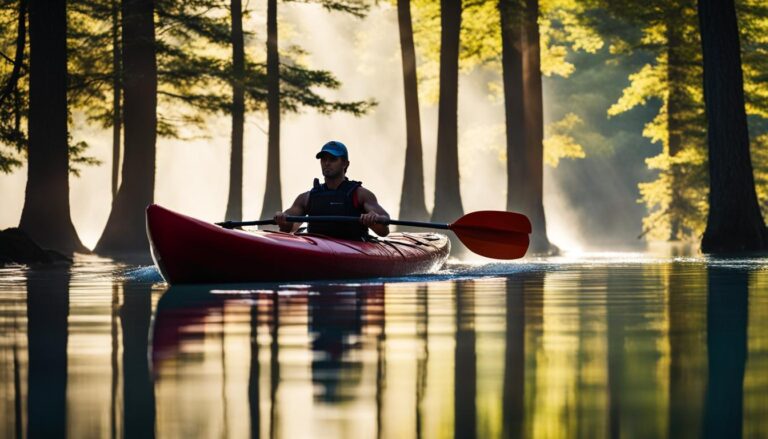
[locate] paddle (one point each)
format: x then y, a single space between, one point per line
489 233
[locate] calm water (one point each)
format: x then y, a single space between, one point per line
602 346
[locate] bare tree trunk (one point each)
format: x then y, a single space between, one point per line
412 204
235 199
273 191
512 75
124 232
734 222
447 182
46 214
534 129
117 89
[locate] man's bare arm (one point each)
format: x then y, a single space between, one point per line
298 208
374 213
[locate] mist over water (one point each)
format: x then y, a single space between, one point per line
192 173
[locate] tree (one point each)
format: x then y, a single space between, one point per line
46 213
512 76
11 104
273 201
412 204
124 231
235 198
734 222
273 188
447 191
668 30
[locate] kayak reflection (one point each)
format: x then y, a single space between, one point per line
191 323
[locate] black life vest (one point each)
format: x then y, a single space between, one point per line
324 201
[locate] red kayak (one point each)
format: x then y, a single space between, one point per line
187 250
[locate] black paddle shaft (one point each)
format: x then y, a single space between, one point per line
329 219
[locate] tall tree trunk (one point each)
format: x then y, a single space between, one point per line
675 84
47 332
235 199
412 204
447 189
124 231
734 222
117 117
534 129
273 200
518 181
46 214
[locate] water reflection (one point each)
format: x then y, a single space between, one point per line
47 331
727 352
138 391
664 349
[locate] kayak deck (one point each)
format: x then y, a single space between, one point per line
188 250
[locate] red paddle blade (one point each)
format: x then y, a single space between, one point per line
494 234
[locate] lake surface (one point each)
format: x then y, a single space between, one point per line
611 345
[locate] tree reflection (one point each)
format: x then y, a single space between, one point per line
727 351
253 378
465 372
47 312
138 388
337 316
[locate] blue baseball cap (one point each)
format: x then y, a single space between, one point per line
334 148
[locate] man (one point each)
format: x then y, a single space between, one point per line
338 196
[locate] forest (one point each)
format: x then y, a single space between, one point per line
668 95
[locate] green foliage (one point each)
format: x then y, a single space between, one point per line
676 198
13 102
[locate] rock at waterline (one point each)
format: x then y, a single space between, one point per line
16 247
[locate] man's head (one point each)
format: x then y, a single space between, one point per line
334 159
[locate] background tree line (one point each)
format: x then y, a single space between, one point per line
115 60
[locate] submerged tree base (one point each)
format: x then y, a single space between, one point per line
737 240
16 247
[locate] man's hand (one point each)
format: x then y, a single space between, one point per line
371 218
284 225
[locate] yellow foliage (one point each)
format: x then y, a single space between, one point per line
648 83
559 144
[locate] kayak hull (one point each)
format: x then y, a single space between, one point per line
190 251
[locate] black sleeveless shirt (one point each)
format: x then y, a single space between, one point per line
326 202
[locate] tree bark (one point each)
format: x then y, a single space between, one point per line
124 232
412 204
448 205
117 89
534 130
235 199
46 213
734 222
512 75
273 201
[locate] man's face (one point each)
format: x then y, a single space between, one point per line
332 166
